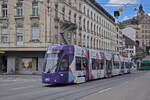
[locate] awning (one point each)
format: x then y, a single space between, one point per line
2 52
145 61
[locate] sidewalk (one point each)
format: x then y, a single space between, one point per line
8 76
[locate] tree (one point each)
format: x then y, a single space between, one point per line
121 25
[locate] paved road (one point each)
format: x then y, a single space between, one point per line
133 86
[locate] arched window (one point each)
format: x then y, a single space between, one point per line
35 10
91 27
87 26
91 43
84 24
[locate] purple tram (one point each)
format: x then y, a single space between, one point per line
73 64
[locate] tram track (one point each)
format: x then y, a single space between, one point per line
70 92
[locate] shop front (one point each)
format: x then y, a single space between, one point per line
3 63
25 62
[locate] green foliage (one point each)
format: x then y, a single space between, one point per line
121 25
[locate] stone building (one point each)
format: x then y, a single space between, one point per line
117 40
140 22
129 47
27 27
99 30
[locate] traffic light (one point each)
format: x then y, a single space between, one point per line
116 14
120 10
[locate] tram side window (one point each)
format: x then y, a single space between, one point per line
122 65
65 64
109 64
102 64
78 63
98 62
116 65
94 64
145 64
84 63
127 65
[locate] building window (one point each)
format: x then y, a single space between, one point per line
91 15
63 10
56 10
4 31
84 24
69 2
19 31
19 9
70 15
84 10
35 33
88 12
35 8
79 6
91 27
4 38
75 18
4 10
88 26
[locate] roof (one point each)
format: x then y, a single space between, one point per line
102 9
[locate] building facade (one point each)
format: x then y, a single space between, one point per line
140 22
129 36
27 27
129 47
99 30
120 42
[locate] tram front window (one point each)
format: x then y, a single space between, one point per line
52 60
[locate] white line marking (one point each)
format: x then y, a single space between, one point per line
22 87
135 79
105 90
126 82
99 92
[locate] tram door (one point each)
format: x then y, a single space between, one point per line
85 68
109 68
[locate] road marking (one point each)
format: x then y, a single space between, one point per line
126 82
99 92
22 87
135 79
105 90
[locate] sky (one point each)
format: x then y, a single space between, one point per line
130 7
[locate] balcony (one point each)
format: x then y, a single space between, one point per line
34 17
18 17
4 18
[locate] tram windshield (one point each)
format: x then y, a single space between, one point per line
52 60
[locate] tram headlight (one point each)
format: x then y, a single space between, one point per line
47 79
61 75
